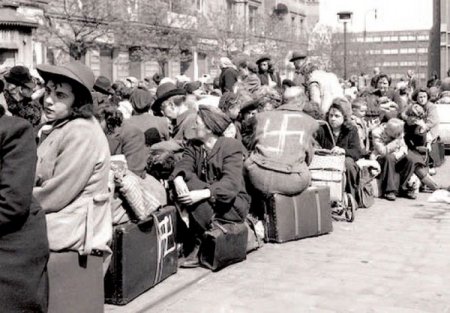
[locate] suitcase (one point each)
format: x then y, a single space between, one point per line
294 217
75 283
144 254
223 245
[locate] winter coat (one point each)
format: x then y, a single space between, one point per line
129 141
282 139
71 185
348 139
384 145
373 104
146 121
184 126
228 77
432 119
222 169
264 78
24 248
23 235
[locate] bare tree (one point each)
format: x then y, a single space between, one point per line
74 26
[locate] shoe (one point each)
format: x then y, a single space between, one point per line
432 171
390 196
192 261
411 195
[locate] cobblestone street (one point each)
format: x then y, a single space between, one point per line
393 258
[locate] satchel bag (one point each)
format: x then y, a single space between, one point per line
255 239
224 244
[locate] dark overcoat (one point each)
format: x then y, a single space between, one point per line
222 172
129 141
24 248
348 139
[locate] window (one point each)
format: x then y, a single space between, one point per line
422 37
252 17
302 25
394 38
403 50
376 39
386 38
359 39
422 50
403 38
411 50
390 51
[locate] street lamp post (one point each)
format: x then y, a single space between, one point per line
345 17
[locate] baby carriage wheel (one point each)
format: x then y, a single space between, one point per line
350 208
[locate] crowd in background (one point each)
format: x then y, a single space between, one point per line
81 153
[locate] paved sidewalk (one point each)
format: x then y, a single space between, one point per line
394 258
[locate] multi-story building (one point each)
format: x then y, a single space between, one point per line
394 52
246 33
18 23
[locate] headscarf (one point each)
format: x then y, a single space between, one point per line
226 63
214 119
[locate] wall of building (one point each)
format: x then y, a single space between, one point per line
393 52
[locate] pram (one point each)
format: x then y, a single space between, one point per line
329 170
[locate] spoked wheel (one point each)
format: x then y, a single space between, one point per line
350 208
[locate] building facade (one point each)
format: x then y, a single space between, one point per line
117 62
18 23
394 52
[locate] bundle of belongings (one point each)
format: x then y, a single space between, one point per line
133 197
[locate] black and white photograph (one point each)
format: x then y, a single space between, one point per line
224 156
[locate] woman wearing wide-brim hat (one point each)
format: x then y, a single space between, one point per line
266 73
73 163
23 236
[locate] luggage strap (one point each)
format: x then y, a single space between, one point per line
319 213
159 259
162 240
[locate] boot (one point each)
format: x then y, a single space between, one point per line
191 260
430 183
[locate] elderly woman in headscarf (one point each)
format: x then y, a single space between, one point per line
228 76
209 178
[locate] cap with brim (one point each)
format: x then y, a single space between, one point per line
263 58
21 77
104 91
249 105
11 80
156 107
77 72
297 56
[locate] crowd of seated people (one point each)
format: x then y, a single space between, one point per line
206 152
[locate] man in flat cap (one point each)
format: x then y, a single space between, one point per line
298 59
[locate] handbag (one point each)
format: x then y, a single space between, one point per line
224 244
255 239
